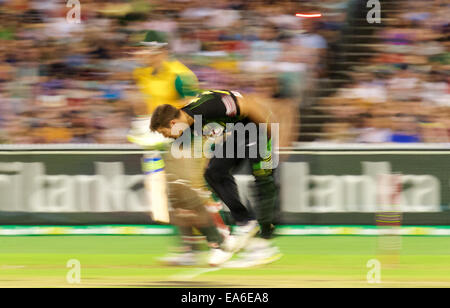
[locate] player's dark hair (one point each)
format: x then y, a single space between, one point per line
162 116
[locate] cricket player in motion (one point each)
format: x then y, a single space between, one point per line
216 110
165 80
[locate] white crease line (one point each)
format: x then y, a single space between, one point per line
12 266
191 274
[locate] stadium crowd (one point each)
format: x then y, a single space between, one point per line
401 92
63 82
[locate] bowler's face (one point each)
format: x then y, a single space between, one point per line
175 130
166 132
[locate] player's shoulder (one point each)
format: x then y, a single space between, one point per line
142 71
177 67
204 96
222 92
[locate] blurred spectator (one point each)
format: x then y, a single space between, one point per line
337 132
72 82
376 129
401 91
67 82
404 85
435 89
405 130
266 47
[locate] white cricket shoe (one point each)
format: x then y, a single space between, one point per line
218 256
180 259
265 254
230 243
242 236
256 244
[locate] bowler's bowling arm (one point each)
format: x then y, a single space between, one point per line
256 110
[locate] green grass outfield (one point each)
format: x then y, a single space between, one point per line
308 261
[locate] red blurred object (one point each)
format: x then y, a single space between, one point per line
308 15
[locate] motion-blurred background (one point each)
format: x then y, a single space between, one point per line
338 82
353 81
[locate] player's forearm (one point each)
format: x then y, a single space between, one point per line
261 118
186 100
256 112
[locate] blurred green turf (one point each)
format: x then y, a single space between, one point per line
308 261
